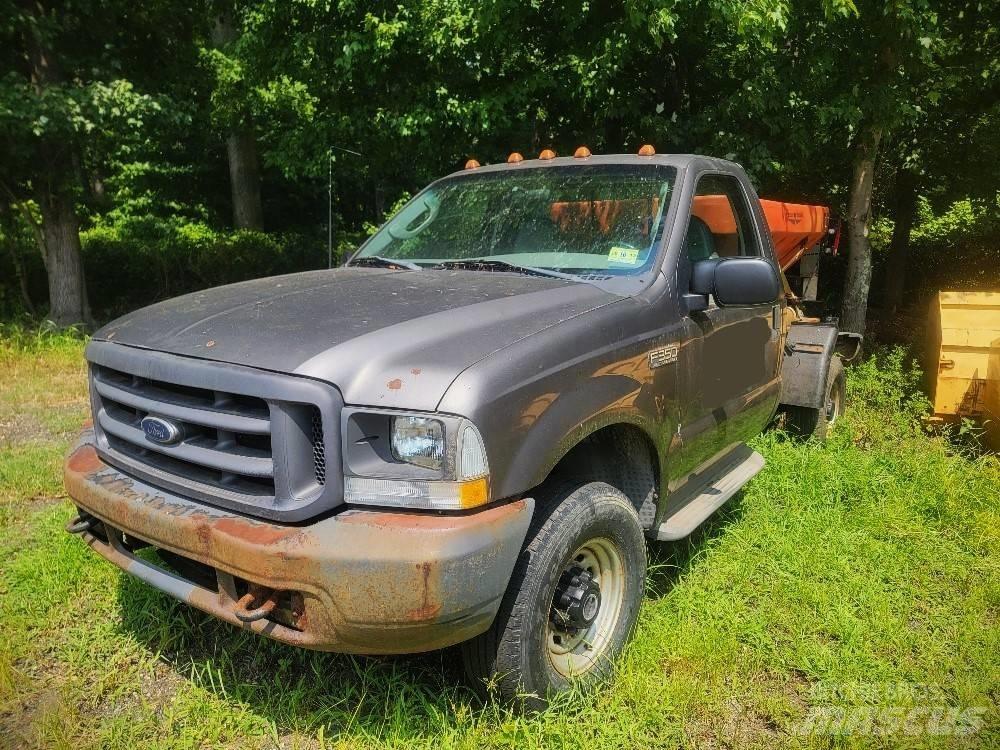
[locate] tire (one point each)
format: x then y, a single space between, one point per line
590 528
806 422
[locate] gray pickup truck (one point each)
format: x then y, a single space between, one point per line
468 432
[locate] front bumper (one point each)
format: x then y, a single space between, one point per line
365 581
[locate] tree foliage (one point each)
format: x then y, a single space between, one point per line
835 101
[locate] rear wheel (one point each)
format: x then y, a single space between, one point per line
806 422
572 601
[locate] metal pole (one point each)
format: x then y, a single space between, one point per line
329 199
329 210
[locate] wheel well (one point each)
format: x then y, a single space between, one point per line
621 455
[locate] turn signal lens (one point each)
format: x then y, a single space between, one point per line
409 493
515 158
472 164
547 154
581 153
472 462
647 150
474 493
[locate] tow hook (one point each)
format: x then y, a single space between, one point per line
83 522
268 599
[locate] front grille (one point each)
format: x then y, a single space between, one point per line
226 437
254 441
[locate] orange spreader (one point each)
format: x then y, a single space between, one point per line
795 227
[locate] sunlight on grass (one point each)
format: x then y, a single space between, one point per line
873 559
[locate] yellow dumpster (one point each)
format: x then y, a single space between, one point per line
964 366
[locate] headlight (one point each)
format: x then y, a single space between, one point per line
413 461
418 440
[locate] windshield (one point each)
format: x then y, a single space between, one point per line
580 220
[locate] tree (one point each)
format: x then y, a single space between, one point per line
117 120
41 97
416 87
904 210
844 87
65 84
893 54
880 58
232 113
952 134
9 232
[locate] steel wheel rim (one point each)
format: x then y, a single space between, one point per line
833 406
574 654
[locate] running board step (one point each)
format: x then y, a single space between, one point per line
709 497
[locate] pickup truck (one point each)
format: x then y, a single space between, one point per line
467 433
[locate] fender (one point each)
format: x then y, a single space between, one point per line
576 415
809 348
537 399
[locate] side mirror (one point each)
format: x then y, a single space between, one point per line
736 282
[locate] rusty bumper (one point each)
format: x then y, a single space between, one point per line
362 581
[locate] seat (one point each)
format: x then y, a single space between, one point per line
700 241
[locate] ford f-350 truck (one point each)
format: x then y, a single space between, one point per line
468 432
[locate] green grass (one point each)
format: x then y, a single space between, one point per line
869 563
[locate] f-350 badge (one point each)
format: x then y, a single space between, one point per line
665 356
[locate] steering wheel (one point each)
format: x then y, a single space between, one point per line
405 233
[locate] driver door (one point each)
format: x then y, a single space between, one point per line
732 354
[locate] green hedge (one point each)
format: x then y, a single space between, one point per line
135 263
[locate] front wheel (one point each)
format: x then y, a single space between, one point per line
572 601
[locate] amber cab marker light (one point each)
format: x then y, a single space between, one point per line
547 154
582 153
647 150
472 164
515 158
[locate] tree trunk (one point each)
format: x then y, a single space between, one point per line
29 219
904 211
53 181
241 145
379 203
859 262
10 229
244 180
67 295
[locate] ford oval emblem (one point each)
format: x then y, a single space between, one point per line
160 430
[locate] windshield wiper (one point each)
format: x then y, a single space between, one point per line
485 264
377 261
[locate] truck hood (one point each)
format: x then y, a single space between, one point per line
384 337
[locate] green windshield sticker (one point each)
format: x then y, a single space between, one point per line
619 254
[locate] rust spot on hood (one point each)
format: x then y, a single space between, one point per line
394 385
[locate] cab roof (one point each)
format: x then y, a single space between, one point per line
678 161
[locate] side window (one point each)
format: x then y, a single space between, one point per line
720 225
